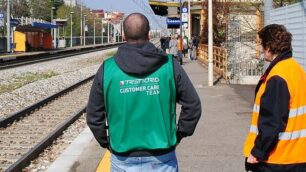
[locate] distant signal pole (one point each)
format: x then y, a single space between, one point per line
8 26
189 21
210 44
81 26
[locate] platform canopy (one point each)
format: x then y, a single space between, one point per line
61 22
44 25
35 27
162 8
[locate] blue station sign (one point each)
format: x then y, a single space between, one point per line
173 22
14 22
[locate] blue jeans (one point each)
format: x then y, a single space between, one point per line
162 163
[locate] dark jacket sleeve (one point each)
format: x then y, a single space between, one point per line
96 118
186 96
273 117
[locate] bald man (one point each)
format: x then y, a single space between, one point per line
132 104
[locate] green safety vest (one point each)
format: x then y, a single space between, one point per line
140 110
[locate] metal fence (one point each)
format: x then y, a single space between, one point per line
294 18
242 49
89 40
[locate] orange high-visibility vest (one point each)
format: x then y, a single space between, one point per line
180 45
291 146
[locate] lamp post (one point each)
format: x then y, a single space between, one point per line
81 19
53 34
210 44
102 30
122 30
8 27
189 21
108 32
52 8
181 30
71 23
84 30
94 30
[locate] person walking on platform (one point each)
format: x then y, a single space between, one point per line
186 46
191 49
180 48
277 138
173 47
132 104
162 43
195 44
167 41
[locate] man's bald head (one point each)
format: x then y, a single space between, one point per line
136 27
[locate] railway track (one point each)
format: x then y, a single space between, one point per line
51 56
24 135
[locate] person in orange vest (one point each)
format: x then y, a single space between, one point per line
277 138
180 48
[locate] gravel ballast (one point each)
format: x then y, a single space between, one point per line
68 71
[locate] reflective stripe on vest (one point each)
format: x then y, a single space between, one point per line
283 135
292 113
290 148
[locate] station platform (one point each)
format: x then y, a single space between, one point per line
10 56
216 145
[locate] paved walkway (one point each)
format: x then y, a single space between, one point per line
216 145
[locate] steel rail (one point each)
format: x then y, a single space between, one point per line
47 141
27 60
22 113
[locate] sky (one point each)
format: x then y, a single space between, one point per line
127 7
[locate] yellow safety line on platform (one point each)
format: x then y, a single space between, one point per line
104 165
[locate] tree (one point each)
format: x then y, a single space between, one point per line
219 22
56 4
222 10
19 8
42 9
63 12
281 3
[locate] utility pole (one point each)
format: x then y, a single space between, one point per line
94 29
8 26
53 31
210 44
84 36
102 30
81 19
122 30
51 19
108 32
181 18
181 35
71 28
189 21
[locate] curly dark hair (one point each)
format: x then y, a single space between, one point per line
276 38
